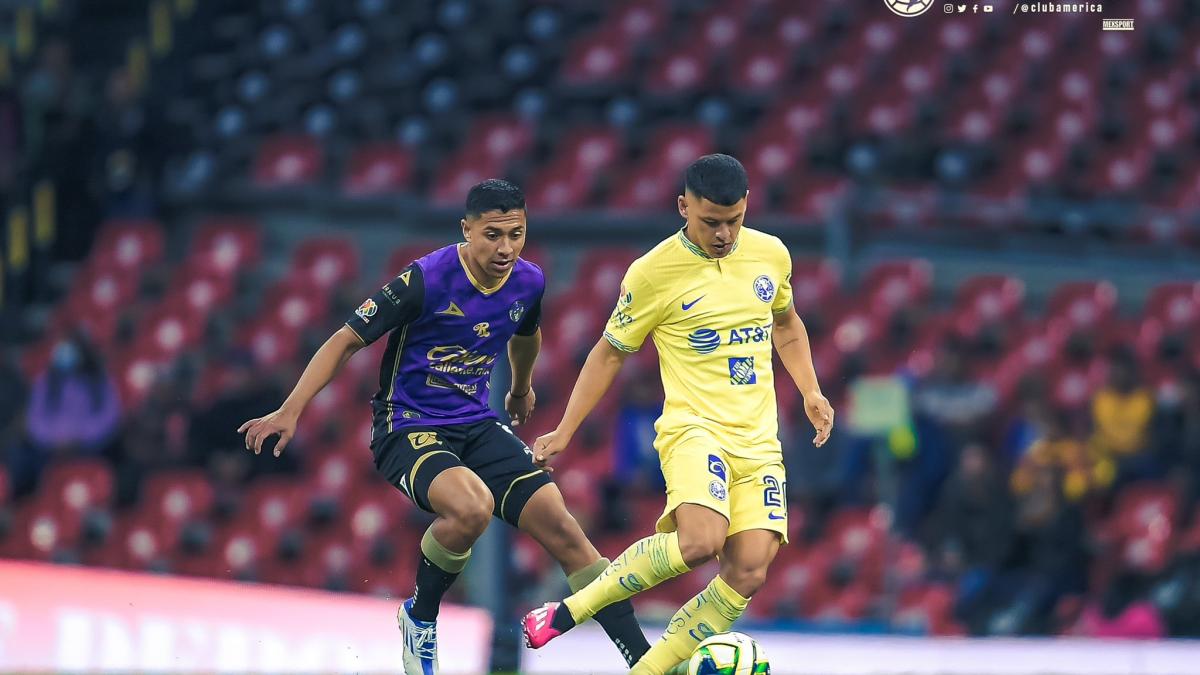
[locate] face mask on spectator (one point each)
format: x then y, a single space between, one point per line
65 357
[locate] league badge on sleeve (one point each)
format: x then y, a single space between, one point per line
367 310
764 288
516 311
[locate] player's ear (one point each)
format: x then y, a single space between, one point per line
682 203
466 230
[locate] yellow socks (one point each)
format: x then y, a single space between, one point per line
580 579
712 611
643 565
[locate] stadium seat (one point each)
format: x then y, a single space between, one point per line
326 261
379 168
129 244
78 484
226 245
286 161
1083 303
602 57
175 497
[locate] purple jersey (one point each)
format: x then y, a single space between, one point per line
446 332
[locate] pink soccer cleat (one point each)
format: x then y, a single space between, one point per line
537 626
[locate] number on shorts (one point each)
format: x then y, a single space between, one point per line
773 493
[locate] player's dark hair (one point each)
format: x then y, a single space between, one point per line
494 194
720 179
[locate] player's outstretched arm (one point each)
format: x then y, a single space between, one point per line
522 353
321 369
791 342
599 371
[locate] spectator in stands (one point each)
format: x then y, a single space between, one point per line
1051 556
973 523
59 131
1029 424
124 178
73 409
155 438
212 435
948 397
1177 438
1121 416
1122 611
13 395
1058 450
635 461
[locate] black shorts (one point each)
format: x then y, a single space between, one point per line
413 456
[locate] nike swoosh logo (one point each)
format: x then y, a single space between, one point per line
688 305
775 516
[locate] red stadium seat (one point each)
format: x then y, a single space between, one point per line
458 174
135 374
768 158
167 330
639 20
373 510
1176 304
270 342
227 245
499 139
286 161
78 484
674 146
177 496
274 505
991 297
198 289
128 244
817 198
558 187
326 262
601 57
590 150
38 533
377 168
815 283
1083 303
601 271
644 188
239 548
403 256
681 70
295 302
140 541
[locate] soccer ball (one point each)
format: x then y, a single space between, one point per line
729 654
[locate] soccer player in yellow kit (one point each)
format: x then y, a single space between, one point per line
716 296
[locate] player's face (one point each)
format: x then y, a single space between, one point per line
712 227
494 240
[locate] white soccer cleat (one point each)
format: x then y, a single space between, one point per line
420 642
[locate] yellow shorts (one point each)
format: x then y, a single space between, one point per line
750 493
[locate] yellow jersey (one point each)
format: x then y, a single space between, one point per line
711 321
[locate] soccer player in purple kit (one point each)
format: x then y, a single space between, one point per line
434 437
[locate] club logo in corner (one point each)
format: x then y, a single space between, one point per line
367 310
625 298
717 489
764 288
908 7
516 311
716 466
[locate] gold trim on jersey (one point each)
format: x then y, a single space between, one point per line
474 282
395 371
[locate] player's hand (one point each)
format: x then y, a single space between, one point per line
547 446
820 413
258 430
519 408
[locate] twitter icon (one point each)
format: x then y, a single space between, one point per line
962 8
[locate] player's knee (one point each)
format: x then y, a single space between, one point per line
699 547
745 579
472 514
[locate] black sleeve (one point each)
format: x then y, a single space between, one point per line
533 319
397 303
